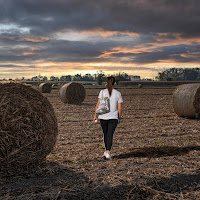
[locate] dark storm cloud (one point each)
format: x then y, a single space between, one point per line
56 51
15 50
82 51
47 16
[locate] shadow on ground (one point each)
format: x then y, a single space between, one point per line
53 181
186 186
56 182
49 181
152 152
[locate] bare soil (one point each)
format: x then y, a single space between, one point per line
155 153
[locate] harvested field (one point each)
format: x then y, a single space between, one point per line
156 153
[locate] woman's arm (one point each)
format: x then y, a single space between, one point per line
119 110
95 114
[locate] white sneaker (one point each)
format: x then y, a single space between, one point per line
107 156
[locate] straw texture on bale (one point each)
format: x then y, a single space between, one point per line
45 87
186 100
72 93
28 126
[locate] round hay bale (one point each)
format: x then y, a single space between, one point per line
45 87
72 93
28 126
186 100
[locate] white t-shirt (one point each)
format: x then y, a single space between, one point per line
114 99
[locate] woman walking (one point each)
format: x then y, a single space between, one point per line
109 120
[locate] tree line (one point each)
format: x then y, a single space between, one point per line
99 77
179 74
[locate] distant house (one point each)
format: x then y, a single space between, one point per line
147 79
134 78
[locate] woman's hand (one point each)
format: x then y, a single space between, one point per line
119 106
95 120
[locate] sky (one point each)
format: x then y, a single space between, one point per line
62 37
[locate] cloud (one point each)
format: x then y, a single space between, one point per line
137 32
143 50
177 53
139 16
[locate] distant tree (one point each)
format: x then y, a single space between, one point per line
190 74
88 77
179 74
77 77
122 76
35 78
161 76
53 78
40 77
44 78
66 78
100 77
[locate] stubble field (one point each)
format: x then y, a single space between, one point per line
155 153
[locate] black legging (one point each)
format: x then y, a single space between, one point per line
108 127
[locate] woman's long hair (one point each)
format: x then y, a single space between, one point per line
110 84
